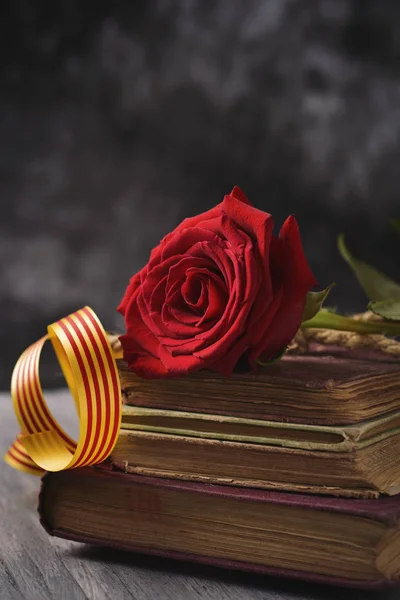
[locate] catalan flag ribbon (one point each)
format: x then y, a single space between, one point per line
87 361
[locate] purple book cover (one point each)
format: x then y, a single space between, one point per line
385 510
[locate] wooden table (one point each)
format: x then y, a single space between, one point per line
35 566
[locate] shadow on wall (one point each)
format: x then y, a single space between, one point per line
118 120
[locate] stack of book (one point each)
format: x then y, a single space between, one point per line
293 470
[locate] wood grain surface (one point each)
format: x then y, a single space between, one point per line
35 566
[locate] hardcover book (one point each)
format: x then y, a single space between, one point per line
338 541
318 389
358 469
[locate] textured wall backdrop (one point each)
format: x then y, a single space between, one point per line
120 118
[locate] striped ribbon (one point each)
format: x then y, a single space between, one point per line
90 370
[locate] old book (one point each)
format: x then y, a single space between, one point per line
330 464
337 541
319 389
335 438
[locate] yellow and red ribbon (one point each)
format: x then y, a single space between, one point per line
87 361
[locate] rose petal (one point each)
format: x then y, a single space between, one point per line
152 279
174 271
183 316
147 367
217 301
203 217
180 243
295 259
180 329
227 363
178 271
180 365
130 290
217 252
194 290
242 245
139 331
258 225
297 279
157 297
239 194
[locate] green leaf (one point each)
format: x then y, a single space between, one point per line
327 320
388 309
375 284
314 303
396 224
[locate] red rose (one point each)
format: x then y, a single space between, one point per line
219 288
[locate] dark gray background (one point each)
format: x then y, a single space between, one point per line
117 119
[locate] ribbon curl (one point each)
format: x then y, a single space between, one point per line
91 373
